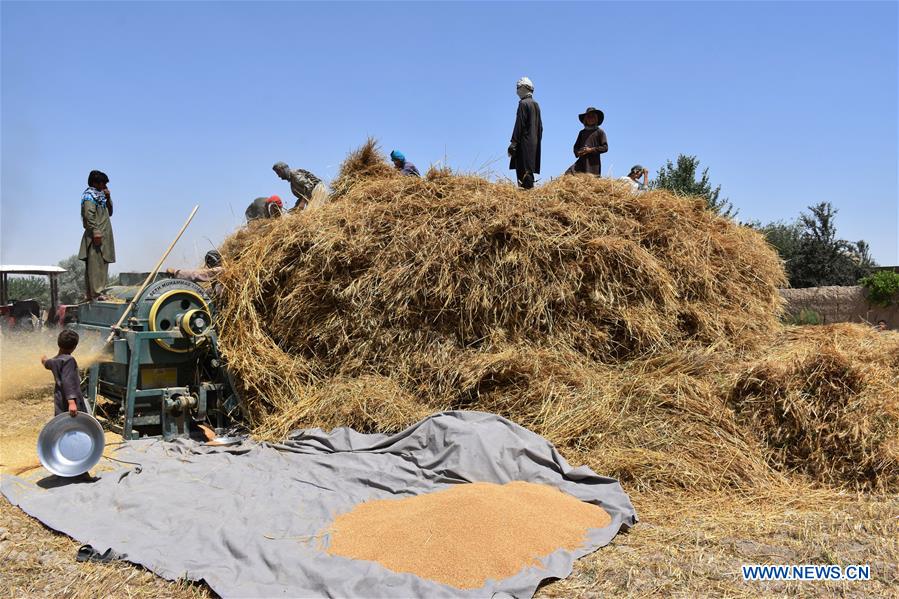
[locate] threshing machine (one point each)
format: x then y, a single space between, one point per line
164 374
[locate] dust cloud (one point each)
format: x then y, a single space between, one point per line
21 370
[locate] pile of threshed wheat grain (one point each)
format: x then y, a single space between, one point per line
468 534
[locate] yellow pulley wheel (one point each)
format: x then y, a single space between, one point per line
163 303
194 323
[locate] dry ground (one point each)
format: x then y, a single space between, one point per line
688 546
684 546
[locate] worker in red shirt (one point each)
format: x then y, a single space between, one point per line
269 207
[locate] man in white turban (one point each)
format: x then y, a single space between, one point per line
524 150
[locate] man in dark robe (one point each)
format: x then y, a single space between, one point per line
524 151
591 142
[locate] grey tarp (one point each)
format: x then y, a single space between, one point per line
244 518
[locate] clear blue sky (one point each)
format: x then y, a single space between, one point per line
788 104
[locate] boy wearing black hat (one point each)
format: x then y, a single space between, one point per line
591 142
67 391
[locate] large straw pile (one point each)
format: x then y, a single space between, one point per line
605 321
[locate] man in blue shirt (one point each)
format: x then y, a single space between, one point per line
401 164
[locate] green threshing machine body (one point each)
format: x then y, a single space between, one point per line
164 374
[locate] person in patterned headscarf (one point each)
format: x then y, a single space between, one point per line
302 183
97 244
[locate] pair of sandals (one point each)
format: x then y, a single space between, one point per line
86 553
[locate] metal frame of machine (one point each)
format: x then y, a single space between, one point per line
165 371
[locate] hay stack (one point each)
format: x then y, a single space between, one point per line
824 401
577 309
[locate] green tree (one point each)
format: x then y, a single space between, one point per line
25 288
681 180
785 237
862 252
824 259
71 282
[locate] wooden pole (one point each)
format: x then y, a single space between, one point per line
152 275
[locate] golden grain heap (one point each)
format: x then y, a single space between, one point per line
616 325
465 535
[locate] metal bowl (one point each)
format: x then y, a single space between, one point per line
70 446
223 441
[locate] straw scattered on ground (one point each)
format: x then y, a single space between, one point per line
824 401
694 544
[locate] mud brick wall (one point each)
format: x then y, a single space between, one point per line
838 304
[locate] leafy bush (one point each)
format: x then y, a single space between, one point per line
882 287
